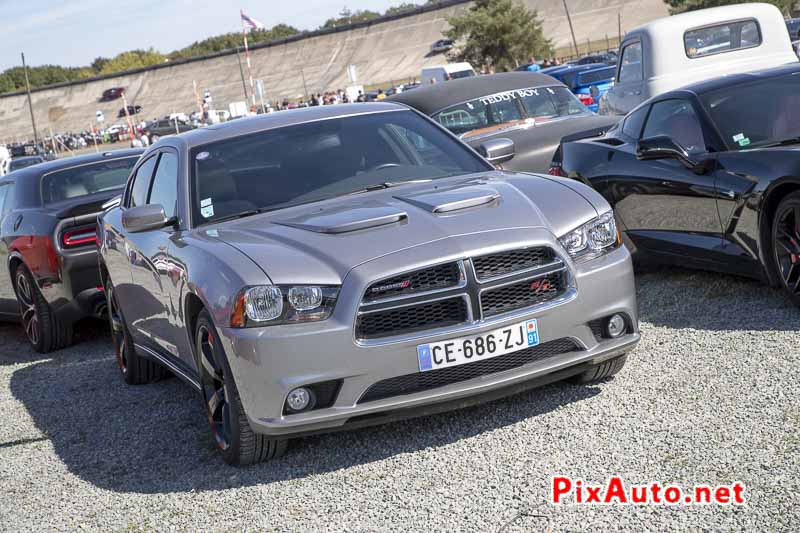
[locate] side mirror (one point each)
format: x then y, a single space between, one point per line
497 151
663 147
145 218
594 91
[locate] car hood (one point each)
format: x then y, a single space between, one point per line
321 242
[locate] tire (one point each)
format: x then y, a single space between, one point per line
785 245
601 372
135 369
231 430
45 331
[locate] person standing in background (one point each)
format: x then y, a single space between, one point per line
532 66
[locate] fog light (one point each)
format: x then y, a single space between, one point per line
299 399
615 327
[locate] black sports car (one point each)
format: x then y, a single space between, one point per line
48 242
707 176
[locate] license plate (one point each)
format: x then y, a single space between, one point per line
465 350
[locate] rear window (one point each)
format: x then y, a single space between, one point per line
17 164
86 179
461 74
595 76
720 38
507 109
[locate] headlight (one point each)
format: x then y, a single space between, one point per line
266 305
593 238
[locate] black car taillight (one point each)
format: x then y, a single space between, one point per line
586 99
78 237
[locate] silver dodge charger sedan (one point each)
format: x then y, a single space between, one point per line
341 266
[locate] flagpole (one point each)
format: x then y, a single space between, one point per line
247 59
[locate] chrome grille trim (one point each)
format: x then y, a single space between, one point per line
470 288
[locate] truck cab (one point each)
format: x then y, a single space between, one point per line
671 52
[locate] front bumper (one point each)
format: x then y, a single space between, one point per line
269 362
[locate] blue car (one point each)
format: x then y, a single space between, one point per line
567 74
602 78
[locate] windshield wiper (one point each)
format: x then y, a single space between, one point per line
784 142
241 214
386 185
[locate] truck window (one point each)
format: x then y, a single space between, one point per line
630 66
719 38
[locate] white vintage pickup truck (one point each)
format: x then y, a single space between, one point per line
671 52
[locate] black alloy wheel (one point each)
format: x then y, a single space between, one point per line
237 441
786 244
119 334
44 330
135 369
27 308
215 395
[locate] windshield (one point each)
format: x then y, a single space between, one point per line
757 114
323 159
510 108
86 179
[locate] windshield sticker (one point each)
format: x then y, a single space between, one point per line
207 208
508 95
202 156
741 140
551 91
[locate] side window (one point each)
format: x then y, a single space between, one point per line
4 189
422 149
677 120
165 184
633 124
141 182
8 204
630 66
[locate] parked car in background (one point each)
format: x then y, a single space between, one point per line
707 176
442 73
590 85
609 58
569 74
441 46
533 110
132 110
671 52
793 27
112 94
48 239
165 126
23 162
400 271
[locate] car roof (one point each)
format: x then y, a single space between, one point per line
268 121
733 80
69 162
433 98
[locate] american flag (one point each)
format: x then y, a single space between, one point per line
250 23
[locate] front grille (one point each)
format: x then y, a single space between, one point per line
522 294
428 279
422 381
489 266
412 318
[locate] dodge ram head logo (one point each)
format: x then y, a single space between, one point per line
391 286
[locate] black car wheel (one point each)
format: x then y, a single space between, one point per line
239 444
45 331
786 244
136 370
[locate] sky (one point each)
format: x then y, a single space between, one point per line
74 32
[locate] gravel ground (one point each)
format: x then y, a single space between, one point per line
709 396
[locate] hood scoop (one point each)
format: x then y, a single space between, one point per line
454 199
347 218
